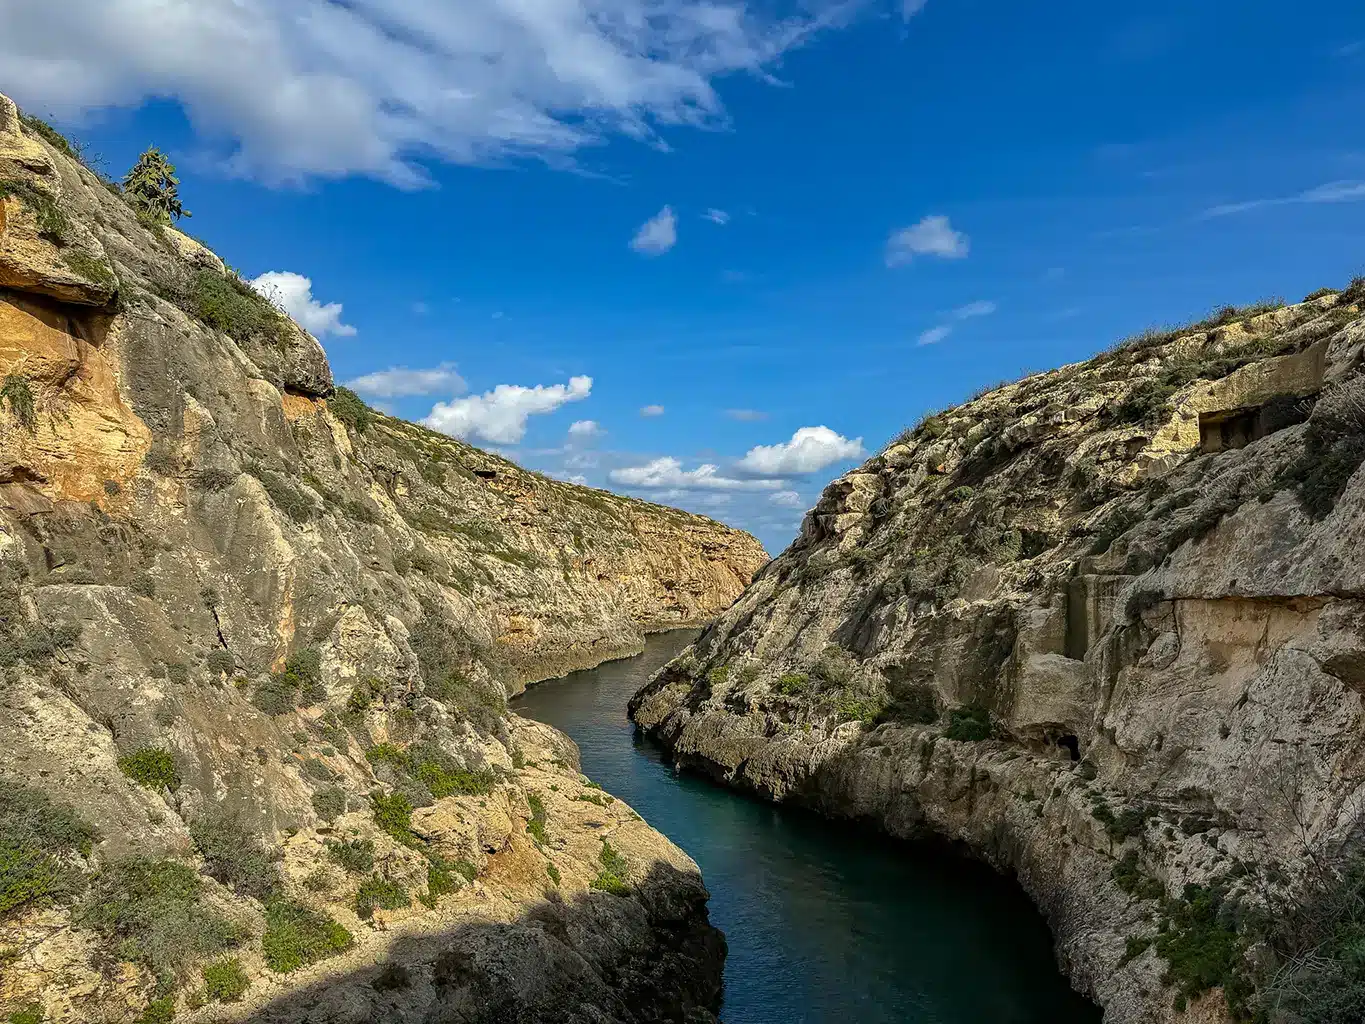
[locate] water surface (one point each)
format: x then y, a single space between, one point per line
827 924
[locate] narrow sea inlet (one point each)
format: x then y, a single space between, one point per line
827 924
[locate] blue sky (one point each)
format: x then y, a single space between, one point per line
860 211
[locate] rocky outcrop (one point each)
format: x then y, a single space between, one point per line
1102 625
236 602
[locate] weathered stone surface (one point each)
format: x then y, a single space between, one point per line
1148 617
198 555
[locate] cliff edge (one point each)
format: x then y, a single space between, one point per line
1104 625
257 641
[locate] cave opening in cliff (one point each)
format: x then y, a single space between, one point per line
1072 745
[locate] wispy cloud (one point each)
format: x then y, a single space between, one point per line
398 381
746 415
668 473
657 235
983 307
649 411
716 216
932 236
1331 192
909 8
368 88
934 335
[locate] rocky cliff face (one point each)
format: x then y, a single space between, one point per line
257 641
1105 626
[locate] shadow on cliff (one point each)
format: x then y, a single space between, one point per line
647 958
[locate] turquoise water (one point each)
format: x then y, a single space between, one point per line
827 924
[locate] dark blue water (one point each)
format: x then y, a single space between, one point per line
827 924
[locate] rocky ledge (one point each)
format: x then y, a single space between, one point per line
256 641
1105 626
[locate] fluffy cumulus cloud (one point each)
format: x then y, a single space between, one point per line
341 88
294 294
811 449
500 415
933 236
657 235
649 411
667 473
398 381
584 431
786 499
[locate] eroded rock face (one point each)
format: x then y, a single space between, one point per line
1104 625
208 554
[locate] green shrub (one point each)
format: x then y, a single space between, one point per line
377 893
355 855
151 188
285 496
153 767
329 803
535 828
393 814
443 877
1334 448
388 753
37 839
17 391
1199 941
296 936
348 407
553 872
226 303
615 869
300 682
914 704
364 694
792 684
152 912
1128 875
444 776
970 724
220 662
225 981
30 1013
158 1011
235 857
1320 293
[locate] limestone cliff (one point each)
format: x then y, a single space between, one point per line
257 641
1105 625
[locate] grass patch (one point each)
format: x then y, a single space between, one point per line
225 981
151 911
153 767
51 221
354 855
970 724
393 815
18 393
38 838
615 869
535 828
296 936
30 1013
377 893
236 858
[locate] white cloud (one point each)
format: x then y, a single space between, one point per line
934 335
933 236
667 473
294 294
1332 192
421 308
909 8
584 431
746 415
573 478
651 410
717 216
657 235
397 381
974 309
786 499
809 450
500 415
362 87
